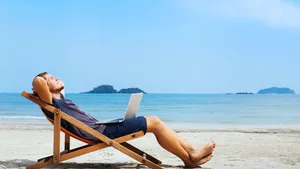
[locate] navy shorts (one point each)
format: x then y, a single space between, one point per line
126 127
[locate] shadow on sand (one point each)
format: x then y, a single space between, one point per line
22 163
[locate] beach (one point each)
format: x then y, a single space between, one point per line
237 147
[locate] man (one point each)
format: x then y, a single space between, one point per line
51 90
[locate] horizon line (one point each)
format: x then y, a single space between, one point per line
248 93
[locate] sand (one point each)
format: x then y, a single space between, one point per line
239 148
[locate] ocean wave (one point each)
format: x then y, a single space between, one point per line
22 117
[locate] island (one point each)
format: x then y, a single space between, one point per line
103 89
244 93
276 90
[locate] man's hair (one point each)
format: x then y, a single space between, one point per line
40 75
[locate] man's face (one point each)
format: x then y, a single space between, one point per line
54 84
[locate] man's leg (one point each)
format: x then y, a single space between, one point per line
168 139
194 154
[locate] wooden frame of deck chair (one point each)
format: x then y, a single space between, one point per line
118 143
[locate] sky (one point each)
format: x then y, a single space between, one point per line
160 46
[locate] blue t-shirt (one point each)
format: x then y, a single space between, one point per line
68 107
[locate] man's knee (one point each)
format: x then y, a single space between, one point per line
156 120
153 123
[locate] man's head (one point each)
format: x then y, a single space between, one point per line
53 83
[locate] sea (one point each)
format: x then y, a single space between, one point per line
186 109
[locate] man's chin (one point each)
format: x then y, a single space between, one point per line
57 90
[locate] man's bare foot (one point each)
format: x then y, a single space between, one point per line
200 162
214 143
205 159
202 156
204 151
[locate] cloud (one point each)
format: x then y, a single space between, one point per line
279 13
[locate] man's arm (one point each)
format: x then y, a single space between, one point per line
41 88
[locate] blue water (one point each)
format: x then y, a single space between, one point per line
191 108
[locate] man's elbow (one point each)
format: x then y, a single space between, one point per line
38 83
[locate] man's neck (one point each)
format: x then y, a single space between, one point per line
56 95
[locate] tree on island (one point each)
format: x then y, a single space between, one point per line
132 90
103 89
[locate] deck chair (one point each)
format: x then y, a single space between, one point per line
118 143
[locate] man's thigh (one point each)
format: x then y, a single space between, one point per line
126 127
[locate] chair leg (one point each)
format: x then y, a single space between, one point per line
141 153
67 142
134 155
56 146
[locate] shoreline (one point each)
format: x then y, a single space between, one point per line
177 127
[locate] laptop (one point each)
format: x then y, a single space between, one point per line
132 108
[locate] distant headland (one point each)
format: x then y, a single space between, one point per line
271 90
105 89
276 90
